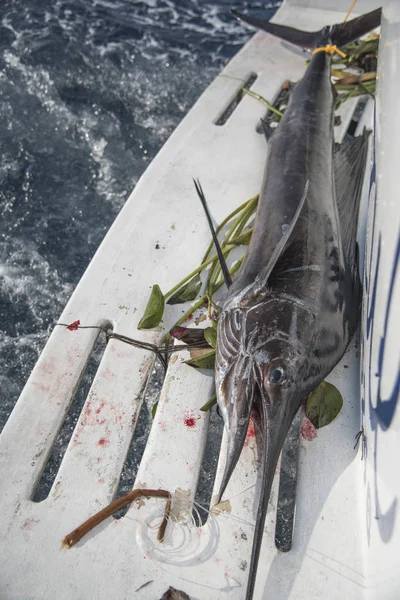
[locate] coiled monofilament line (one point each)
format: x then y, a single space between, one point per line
186 542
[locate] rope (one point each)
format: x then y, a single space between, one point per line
158 350
329 50
334 49
350 10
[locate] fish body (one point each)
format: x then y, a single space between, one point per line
295 304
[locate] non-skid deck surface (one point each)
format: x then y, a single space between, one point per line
120 557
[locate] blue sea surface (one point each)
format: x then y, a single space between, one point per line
89 92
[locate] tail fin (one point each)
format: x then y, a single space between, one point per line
340 34
344 33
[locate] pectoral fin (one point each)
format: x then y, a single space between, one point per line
259 286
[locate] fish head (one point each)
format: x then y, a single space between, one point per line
281 334
260 367
234 385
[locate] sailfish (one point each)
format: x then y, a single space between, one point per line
295 304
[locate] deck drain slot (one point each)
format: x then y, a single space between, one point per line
61 442
357 115
208 469
227 113
285 513
280 103
140 435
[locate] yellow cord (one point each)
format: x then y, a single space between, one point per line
332 49
329 50
350 10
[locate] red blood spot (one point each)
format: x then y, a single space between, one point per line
190 421
74 326
103 442
345 366
308 431
101 480
250 433
98 410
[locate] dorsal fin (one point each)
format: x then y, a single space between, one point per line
350 160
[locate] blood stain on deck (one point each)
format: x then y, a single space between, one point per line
190 420
103 442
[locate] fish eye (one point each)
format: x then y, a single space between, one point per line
277 375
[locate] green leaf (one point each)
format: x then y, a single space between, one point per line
187 292
154 409
154 309
205 361
210 333
208 405
324 404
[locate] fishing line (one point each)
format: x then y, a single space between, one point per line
350 10
215 512
333 49
182 524
157 350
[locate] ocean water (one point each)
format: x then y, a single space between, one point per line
89 92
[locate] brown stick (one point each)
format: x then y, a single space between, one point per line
77 534
350 79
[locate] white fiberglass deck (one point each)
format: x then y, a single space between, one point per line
329 556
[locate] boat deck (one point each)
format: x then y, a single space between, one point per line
159 237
